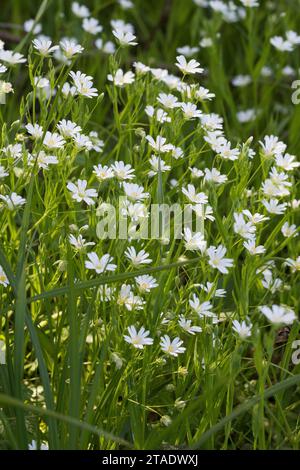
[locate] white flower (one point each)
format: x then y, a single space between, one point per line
134 191
194 242
103 172
91 25
225 151
276 185
43 46
255 218
173 348
3 278
97 144
278 314
68 128
242 329
70 48
120 78
6 87
33 446
295 204
138 339
252 248
168 100
269 283
146 283
211 122
190 67
190 111
273 206
271 189
141 68
13 150
195 172
158 165
2 68
61 57
266 71
201 3
214 138
171 81
286 162
80 10
204 94
205 42
43 160
124 294
117 359
107 47
209 288
35 130
134 302
176 152
242 228
281 44
67 90
293 37
272 146
217 260
294 263
100 265
279 179
3 172
159 114
241 80
159 74
80 193
250 3
135 211
84 84
202 309
246 116
142 257
11 58
126 4
123 171
128 299
159 145
121 25
204 211
187 51
166 420
124 38
82 141
13 201
187 326
53 140
79 242
41 82
29 26
289 230
214 176
196 198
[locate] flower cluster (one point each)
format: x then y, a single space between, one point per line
99 127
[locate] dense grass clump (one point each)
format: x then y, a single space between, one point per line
149 215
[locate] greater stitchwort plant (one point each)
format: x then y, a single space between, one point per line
149 210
